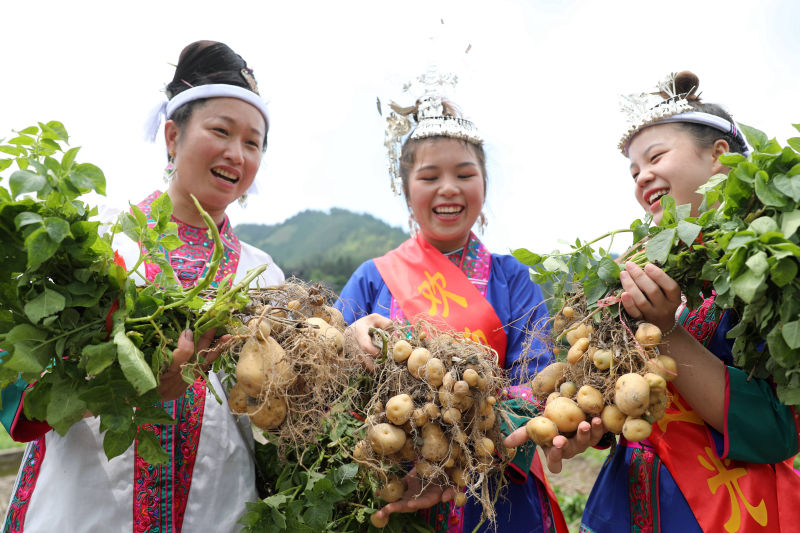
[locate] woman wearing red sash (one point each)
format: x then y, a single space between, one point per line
216 131
721 458
446 275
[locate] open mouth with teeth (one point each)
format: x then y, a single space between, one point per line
655 196
448 210
225 176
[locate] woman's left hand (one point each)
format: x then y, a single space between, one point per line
359 330
171 384
587 435
650 294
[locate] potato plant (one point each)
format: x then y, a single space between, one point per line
74 321
743 245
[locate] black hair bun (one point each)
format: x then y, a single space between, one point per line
687 83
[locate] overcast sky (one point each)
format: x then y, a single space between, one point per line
542 80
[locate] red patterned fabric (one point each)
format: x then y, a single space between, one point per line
15 516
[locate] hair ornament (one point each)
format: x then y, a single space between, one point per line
427 118
669 103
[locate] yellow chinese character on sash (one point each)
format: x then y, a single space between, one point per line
684 414
478 336
729 479
435 290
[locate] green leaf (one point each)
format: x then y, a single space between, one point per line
115 443
88 177
640 230
794 142
769 194
779 350
23 181
758 263
54 130
69 158
748 285
608 270
524 256
23 140
658 248
65 407
40 248
682 211
149 448
153 415
57 228
45 304
763 225
791 334
29 352
783 271
731 159
160 211
99 356
553 264
25 218
755 138
133 364
688 232
788 185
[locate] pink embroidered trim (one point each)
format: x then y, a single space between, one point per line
18 507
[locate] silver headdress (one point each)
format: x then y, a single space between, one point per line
430 122
646 109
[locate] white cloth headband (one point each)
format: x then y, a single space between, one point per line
706 119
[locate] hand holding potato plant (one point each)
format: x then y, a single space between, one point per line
743 245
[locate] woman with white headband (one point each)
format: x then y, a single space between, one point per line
721 457
216 132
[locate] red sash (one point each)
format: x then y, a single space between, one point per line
724 495
428 286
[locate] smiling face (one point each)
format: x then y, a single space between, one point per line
445 192
217 155
666 160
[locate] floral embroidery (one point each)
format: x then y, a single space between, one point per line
643 490
703 322
15 516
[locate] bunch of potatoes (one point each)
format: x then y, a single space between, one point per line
625 385
435 412
270 370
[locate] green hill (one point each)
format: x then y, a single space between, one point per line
319 246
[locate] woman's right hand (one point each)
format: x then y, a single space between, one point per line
359 331
416 497
588 435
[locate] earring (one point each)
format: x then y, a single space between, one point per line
413 226
169 170
242 201
482 222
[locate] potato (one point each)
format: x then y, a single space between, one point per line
401 350
294 305
432 410
658 404
460 499
448 380
377 521
663 365
361 450
636 429
332 316
386 439
484 447
577 351
434 444
434 372
237 399
578 332
449 399
552 396
568 389
648 335
546 380
419 417
460 388
655 382
565 413
613 419
270 414
486 422
328 332
425 469
590 400
471 377
260 328
458 476
569 313
407 452
602 359
392 491
399 409
541 430
632 394
418 358
451 416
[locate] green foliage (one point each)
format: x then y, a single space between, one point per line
317 246
743 244
572 505
60 281
319 488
